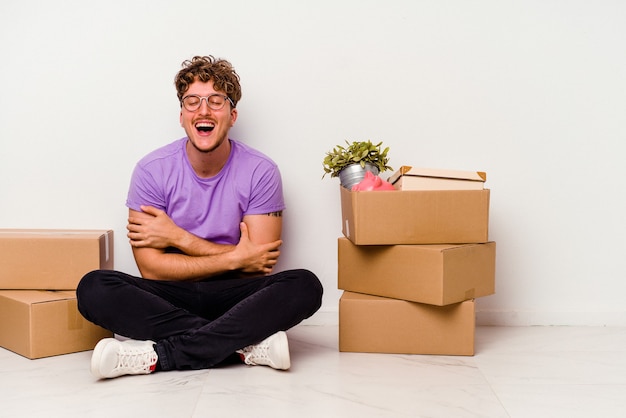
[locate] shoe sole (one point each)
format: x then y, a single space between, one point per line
96 357
283 343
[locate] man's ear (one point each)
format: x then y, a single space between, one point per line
180 119
233 117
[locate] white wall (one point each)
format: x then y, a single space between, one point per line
532 92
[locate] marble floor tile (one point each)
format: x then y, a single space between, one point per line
517 372
571 401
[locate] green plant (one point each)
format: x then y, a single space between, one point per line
357 152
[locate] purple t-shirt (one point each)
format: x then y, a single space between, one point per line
211 208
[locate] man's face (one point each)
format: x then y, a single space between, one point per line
206 128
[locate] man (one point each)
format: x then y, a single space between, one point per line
205 219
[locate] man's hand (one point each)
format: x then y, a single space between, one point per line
152 231
255 258
152 228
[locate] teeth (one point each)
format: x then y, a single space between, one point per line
205 126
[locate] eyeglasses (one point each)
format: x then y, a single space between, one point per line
214 101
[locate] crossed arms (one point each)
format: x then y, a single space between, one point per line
151 232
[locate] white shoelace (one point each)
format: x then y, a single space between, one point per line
253 353
136 359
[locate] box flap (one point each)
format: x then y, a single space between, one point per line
407 170
53 233
37 296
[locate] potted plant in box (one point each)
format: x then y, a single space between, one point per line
350 162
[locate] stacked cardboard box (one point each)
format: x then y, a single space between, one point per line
412 263
39 273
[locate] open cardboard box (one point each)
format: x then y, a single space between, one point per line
415 217
372 324
415 178
53 259
40 323
435 274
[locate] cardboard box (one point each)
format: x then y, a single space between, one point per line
52 259
415 217
410 178
434 274
372 324
40 323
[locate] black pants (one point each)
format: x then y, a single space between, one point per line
197 325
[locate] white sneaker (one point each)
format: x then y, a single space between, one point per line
272 351
113 358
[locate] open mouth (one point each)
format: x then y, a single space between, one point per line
205 126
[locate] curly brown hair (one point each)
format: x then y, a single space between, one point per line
209 68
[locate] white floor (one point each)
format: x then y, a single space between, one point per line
516 372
